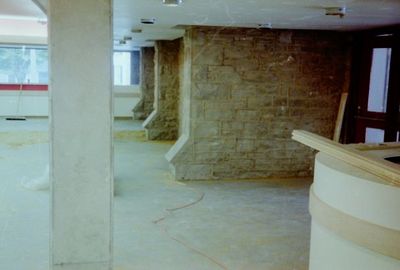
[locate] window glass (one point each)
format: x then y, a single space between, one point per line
379 80
23 64
126 68
135 79
122 68
374 135
29 65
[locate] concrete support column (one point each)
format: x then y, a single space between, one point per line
80 43
162 124
145 106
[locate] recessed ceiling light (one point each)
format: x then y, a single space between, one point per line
335 11
172 3
265 25
384 35
148 21
42 21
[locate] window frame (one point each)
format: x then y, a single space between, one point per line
45 87
133 66
23 86
359 118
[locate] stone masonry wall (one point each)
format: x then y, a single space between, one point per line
145 105
247 90
162 124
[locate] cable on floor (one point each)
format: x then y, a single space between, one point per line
169 213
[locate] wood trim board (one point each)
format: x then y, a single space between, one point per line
387 171
339 119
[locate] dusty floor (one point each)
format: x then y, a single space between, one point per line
159 223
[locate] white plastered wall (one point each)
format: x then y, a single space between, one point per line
36 103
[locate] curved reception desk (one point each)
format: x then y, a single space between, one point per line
355 218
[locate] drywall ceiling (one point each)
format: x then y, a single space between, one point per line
280 14
19 8
286 14
22 22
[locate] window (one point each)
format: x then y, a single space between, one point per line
122 68
23 65
379 80
375 98
374 135
126 68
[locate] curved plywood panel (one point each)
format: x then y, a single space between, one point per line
356 218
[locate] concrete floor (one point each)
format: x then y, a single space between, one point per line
158 223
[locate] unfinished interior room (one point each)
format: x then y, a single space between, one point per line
183 134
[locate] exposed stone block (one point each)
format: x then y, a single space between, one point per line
145 105
245 145
162 124
232 128
200 73
209 145
214 55
248 115
211 91
247 90
222 74
193 172
206 129
218 112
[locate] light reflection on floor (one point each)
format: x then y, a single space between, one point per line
209 225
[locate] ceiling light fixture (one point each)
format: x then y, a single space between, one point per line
172 3
148 21
42 21
265 25
335 11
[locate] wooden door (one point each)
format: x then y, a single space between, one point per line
377 106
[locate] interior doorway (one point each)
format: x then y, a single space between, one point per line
376 100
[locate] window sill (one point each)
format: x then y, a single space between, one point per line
24 87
